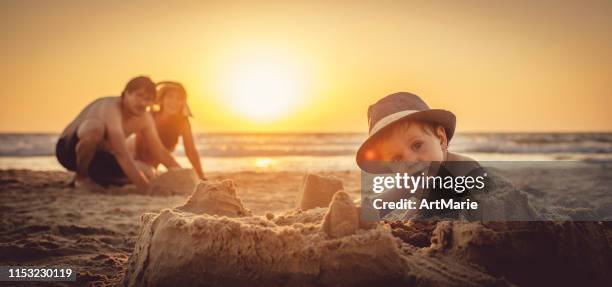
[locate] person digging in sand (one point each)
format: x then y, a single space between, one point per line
93 144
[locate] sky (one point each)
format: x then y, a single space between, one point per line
288 66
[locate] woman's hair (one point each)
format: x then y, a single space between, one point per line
139 83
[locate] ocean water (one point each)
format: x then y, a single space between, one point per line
324 151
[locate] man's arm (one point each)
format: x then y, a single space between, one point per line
116 139
151 139
191 151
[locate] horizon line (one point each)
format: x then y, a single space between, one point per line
337 132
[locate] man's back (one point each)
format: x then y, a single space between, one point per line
92 111
106 110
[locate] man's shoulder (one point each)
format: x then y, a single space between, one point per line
110 104
107 100
104 109
103 102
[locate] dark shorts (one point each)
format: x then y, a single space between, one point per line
103 168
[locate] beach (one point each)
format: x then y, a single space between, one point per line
565 177
46 223
304 144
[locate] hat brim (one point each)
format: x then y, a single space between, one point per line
442 117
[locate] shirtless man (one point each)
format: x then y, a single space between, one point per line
93 144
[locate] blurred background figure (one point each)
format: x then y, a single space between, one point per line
171 114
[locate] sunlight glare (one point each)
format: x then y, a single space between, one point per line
263 162
264 88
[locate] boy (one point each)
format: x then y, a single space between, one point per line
405 135
403 128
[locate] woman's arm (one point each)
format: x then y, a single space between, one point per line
151 139
191 151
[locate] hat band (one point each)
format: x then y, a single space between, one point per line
389 119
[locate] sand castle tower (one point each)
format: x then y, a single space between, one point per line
215 197
317 191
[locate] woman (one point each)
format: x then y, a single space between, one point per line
171 114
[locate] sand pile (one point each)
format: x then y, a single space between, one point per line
503 201
176 181
215 198
317 191
213 240
193 245
531 253
342 217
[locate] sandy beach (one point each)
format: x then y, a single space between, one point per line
306 143
46 223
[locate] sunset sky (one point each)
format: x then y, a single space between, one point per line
314 67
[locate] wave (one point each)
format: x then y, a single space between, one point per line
534 143
339 144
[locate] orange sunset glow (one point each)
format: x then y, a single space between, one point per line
306 143
293 67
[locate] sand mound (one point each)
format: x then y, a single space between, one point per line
215 197
318 190
201 248
178 181
531 253
504 201
341 218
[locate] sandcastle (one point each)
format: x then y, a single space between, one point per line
341 218
213 240
215 197
317 191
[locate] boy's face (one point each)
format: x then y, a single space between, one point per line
413 143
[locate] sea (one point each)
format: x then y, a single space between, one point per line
312 152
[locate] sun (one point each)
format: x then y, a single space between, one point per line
264 88
263 162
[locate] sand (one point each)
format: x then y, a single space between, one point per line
178 248
342 216
215 197
175 181
531 253
317 191
43 222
